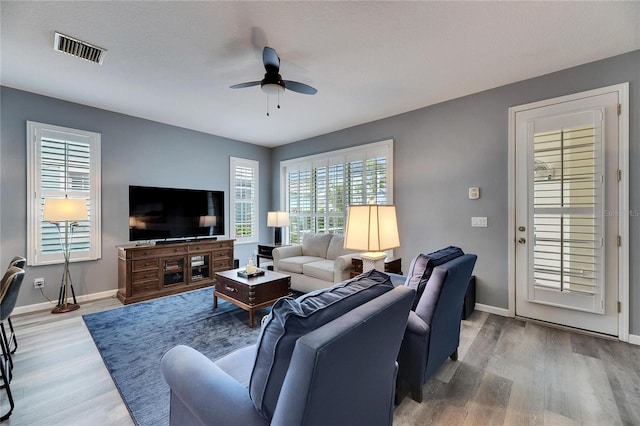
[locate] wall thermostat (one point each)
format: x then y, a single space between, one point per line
474 193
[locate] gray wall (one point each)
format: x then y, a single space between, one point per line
134 151
443 149
440 151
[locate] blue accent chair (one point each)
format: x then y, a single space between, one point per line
340 373
433 329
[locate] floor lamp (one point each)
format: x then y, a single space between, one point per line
69 211
372 229
277 220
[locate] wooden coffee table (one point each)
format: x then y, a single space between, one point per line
251 294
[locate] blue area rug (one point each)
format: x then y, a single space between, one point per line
133 338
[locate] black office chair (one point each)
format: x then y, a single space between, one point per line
9 288
18 261
11 341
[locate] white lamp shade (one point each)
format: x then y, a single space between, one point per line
62 209
371 228
277 219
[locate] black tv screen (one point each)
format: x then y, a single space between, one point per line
171 213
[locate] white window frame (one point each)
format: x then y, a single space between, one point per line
343 156
35 193
234 163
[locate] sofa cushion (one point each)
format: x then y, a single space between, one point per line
336 247
238 364
316 245
322 270
422 266
292 318
294 264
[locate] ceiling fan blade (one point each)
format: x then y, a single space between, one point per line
300 87
270 60
247 84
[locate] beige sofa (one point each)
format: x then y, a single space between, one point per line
319 262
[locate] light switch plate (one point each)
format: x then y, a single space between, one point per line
479 222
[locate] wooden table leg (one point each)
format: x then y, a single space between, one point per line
250 318
215 301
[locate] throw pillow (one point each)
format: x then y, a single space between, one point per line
419 273
444 255
422 266
292 318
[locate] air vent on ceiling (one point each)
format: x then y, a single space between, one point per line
74 47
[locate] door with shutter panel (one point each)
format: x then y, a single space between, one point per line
566 236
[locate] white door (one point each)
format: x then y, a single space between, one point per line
566 169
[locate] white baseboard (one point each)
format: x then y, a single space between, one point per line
47 306
492 309
634 339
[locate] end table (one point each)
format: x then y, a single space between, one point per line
265 251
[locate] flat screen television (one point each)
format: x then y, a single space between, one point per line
172 213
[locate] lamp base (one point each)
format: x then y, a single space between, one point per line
373 260
67 307
277 235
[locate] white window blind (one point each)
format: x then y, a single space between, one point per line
62 163
318 189
244 203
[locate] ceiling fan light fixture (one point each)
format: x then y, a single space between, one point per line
272 88
272 83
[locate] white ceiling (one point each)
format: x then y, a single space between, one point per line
173 62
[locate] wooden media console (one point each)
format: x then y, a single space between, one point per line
150 271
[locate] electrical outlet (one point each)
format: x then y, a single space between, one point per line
38 283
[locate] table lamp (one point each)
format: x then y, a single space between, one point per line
208 222
69 211
277 220
372 229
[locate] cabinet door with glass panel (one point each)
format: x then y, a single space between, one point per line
173 270
200 268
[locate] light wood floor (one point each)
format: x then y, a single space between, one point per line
509 373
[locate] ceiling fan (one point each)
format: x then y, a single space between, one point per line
272 83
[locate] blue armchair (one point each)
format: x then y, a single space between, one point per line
342 372
433 328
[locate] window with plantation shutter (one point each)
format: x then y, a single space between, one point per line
367 181
244 202
62 162
317 190
568 185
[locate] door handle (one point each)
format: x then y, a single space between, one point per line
522 241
